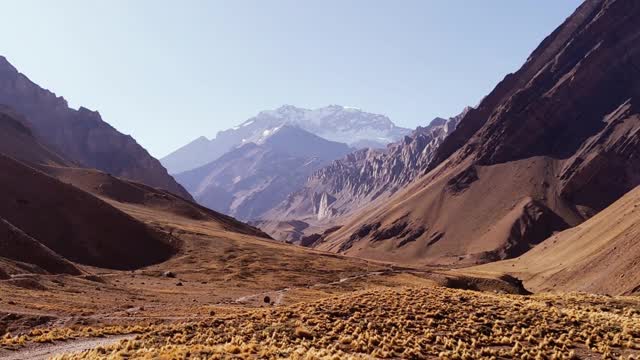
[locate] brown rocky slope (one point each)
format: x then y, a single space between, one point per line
602 255
53 212
18 141
120 191
81 135
19 250
550 146
75 224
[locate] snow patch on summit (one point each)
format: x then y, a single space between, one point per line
345 124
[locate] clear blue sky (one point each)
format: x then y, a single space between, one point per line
167 72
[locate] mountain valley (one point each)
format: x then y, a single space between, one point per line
508 231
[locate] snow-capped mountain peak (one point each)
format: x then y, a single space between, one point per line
348 125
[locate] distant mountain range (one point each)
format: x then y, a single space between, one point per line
253 178
347 125
278 164
358 179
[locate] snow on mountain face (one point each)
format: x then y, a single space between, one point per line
347 125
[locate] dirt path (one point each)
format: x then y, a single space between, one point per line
42 352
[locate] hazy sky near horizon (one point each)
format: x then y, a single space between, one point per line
167 72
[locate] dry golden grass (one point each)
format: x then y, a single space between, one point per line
405 322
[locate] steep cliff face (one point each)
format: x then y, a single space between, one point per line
81 135
550 146
365 175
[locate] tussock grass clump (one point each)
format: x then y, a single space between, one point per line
408 323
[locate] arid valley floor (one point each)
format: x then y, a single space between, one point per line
245 297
